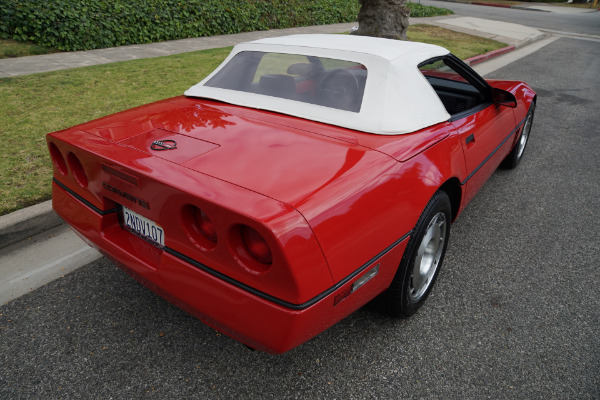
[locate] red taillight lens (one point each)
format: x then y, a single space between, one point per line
77 169
199 227
58 159
205 225
256 245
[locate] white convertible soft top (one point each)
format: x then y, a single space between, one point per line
397 97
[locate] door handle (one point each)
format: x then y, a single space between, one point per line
469 138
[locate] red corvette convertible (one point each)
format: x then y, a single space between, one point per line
305 177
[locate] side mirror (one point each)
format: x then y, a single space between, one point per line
503 98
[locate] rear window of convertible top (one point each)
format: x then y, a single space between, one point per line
323 81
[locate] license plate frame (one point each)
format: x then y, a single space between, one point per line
143 227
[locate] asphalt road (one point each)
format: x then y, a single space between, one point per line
515 313
586 23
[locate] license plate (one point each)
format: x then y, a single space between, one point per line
143 227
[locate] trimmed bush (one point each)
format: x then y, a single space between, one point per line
91 24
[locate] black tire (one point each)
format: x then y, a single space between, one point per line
408 291
516 154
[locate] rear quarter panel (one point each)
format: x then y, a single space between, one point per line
360 216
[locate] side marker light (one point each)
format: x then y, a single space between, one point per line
365 278
357 284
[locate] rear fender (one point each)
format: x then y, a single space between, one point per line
357 218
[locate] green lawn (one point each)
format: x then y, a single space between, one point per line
36 104
460 44
12 48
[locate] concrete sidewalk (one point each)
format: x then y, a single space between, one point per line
515 35
23 255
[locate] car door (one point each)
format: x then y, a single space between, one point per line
483 127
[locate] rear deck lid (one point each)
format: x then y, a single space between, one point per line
284 158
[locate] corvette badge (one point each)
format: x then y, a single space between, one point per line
160 145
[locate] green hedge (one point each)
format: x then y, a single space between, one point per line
91 24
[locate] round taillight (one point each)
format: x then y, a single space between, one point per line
205 225
77 169
256 245
199 227
57 159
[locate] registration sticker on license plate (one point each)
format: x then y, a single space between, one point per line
143 227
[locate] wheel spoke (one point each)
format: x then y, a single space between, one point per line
427 257
524 136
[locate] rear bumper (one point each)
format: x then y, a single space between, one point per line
247 316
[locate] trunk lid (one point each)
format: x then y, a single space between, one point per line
284 158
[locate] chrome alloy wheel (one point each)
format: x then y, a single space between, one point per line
524 136
428 256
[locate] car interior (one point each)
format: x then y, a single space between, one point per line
452 87
456 96
340 88
331 83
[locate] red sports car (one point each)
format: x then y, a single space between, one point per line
305 177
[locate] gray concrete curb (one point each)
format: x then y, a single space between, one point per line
529 41
25 223
528 9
